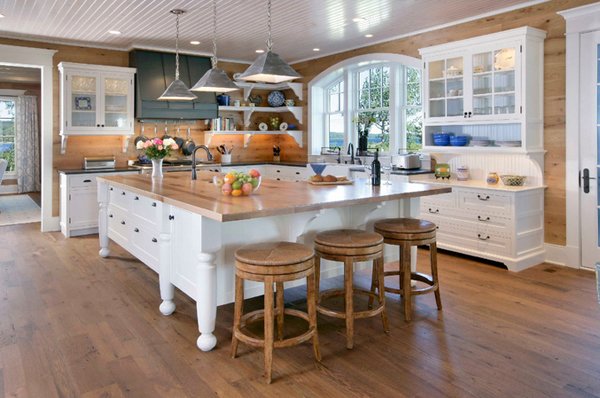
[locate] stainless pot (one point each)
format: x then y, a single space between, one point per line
408 161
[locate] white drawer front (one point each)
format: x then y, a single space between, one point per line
83 181
146 245
119 197
489 202
146 208
118 223
447 200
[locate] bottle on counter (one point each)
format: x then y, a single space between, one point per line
376 170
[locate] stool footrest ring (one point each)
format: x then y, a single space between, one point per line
342 314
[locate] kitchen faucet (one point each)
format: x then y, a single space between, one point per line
339 153
351 152
209 157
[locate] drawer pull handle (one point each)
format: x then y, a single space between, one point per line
171 217
483 219
123 193
298 173
153 204
154 240
122 222
87 180
110 216
136 230
434 212
481 238
111 188
136 198
482 198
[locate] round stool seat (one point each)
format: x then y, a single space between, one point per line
274 258
349 242
405 228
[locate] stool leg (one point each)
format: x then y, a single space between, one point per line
317 277
378 266
280 307
401 270
237 313
268 328
406 277
349 303
434 274
374 283
312 313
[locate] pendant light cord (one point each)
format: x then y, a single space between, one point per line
269 40
177 46
213 59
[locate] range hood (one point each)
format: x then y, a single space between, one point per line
155 71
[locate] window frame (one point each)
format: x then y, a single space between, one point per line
341 107
348 72
12 173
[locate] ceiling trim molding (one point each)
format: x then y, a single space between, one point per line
430 29
198 53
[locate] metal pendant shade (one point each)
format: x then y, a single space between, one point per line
269 67
177 90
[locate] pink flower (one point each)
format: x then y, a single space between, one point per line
158 141
174 147
160 147
147 144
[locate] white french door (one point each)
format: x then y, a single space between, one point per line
589 154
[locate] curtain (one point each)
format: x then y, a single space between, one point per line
27 144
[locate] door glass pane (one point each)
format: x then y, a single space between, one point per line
83 101
504 103
482 84
437 89
115 102
436 69
504 59
482 63
455 107
454 87
454 67
437 108
504 81
482 105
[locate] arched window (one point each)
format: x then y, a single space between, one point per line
379 91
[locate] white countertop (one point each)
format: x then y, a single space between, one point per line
453 182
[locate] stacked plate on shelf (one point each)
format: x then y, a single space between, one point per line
480 141
513 144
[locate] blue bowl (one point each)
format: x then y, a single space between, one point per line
318 167
459 140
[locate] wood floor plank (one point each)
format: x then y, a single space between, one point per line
75 325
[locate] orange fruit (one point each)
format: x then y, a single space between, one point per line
229 178
236 192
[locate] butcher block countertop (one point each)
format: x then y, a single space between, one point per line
272 198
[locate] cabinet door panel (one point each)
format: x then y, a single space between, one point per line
83 208
82 101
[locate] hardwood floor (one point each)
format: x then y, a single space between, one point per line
75 325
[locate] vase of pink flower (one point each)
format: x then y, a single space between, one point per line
156 150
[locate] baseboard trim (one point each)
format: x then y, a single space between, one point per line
51 224
567 256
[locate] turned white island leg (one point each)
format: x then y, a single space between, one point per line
167 289
206 301
103 218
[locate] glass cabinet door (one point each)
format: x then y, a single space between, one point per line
494 82
83 101
446 87
116 92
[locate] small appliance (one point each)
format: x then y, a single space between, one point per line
408 161
95 163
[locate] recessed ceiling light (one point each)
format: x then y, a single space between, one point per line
114 32
359 19
316 49
195 42
1 15
259 51
368 35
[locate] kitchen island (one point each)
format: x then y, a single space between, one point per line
187 231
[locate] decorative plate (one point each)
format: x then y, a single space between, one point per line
263 126
283 126
276 98
83 103
237 75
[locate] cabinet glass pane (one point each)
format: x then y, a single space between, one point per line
504 81
454 87
482 105
482 84
83 101
455 107
115 102
437 108
504 103
504 59
454 67
437 89
482 62
436 69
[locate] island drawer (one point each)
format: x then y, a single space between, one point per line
146 245
486 201
118 223
119 197
146 208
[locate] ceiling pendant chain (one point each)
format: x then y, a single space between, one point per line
177 46
213 59
269 40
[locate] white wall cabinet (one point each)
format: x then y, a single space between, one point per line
95 100
79 203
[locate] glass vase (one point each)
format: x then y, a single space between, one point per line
157 168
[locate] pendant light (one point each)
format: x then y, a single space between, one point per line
269 67
215 79
177 90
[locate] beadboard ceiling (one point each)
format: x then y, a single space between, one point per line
298 25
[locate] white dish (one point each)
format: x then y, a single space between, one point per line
263 126
283 126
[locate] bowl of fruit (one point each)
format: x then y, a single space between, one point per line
237 183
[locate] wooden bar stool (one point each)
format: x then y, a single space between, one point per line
404 233
274 263
350 246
